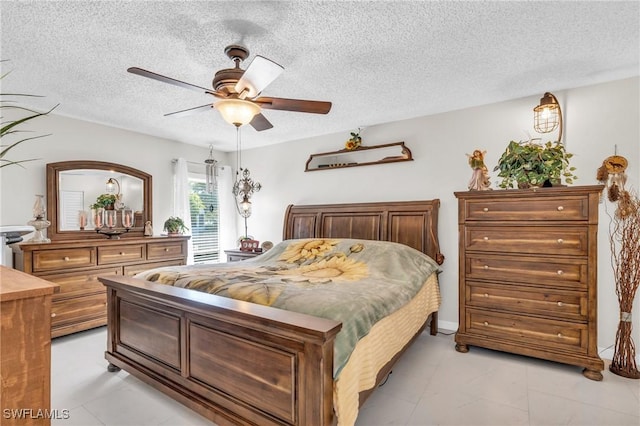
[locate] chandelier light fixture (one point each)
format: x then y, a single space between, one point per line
547 116
244 186
211 172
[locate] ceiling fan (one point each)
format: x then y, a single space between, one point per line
238 91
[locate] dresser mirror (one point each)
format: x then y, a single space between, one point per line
73 187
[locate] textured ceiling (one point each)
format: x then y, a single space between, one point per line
376 61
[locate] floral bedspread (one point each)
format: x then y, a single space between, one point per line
357 282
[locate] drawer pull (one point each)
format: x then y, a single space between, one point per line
486 295
122 253
486 266
66 258
560 272
486 209
560 241
560 208
486 323
166 249
486 238
560 303
559 334
53 314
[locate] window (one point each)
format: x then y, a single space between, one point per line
205 221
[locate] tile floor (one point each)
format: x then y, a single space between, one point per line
431 385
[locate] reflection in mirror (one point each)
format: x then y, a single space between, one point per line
80 188
75 189
362 156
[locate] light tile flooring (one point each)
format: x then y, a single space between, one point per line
432 384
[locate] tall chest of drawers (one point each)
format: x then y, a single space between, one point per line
527 273
76 265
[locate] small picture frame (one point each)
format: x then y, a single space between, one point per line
249 245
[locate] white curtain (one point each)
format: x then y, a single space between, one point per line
228 215
181 207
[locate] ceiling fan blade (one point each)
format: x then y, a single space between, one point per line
169 80
190 111
258 75
260 123
297 105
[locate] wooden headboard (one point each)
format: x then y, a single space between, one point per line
413 223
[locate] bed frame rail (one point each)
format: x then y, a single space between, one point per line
187 345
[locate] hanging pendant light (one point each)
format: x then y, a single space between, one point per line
244 186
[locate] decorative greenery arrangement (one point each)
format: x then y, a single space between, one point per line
10 128
532 164
175 225
104 201
354 142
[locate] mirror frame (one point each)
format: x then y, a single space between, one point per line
53 179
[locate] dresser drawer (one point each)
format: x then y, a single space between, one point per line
527 209
121 253
76 284
558 272
78 309
131 270
520 329
165 250
572 305
566 240
61 259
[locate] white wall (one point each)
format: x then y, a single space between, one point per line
73 139
596 118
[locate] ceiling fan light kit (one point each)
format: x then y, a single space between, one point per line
238 91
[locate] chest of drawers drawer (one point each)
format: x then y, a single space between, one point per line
131 270
78 309
165 250
527 209
558 272
121 254
560 304
541 332
61 259
566 240
76 284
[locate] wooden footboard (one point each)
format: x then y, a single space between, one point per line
231 361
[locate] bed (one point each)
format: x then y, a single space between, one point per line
237 362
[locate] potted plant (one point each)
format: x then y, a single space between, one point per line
11 129
175 226
531 164
104 201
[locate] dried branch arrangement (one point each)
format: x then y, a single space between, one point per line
624 237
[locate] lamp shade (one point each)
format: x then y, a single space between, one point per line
237 111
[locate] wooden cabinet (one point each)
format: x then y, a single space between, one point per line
238 255
25 348
527 273
76 265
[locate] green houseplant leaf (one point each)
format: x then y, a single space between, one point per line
526 164
175 225
9 129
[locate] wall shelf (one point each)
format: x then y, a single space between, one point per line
361 156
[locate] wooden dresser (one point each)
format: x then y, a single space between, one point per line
25 348
76 265
527 273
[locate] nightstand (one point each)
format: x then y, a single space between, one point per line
238 255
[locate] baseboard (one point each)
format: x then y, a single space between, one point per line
447 326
